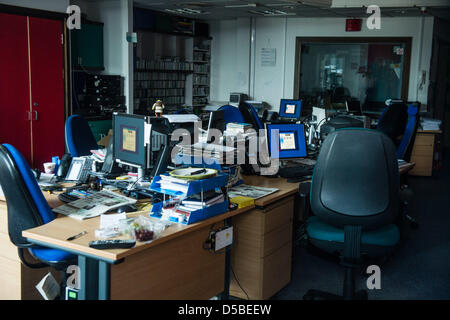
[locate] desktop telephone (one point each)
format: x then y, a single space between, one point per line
79 169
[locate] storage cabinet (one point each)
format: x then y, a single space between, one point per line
87 46
262 250
423 153
32 104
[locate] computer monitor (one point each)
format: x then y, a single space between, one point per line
288 139
354 107
216 121
130 147
290 108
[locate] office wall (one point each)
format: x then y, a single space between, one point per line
50 5
230 58
117 16
270 83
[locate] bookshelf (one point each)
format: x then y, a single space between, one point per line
173 68
201 68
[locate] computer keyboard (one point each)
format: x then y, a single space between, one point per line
296 171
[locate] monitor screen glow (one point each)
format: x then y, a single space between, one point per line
290 108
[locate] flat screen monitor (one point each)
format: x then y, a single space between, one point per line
216 121
354 107
130 146
290 108
288 139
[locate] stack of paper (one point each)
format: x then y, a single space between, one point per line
99 154
430 124
208 150
195 202
172 183
94 205
237 127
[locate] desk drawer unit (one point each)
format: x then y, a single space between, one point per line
422 154
262 251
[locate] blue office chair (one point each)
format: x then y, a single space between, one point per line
250 115
404 150
399 120
27 208
354 199
231 114
79 138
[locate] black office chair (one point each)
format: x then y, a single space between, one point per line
27 208
354 199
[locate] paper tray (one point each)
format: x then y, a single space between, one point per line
195 216
194 186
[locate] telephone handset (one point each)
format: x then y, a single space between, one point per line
79 169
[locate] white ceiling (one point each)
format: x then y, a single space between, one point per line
229 9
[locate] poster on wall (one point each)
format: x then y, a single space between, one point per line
268 57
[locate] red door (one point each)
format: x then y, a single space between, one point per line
14 84
47 89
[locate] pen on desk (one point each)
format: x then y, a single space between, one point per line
76 236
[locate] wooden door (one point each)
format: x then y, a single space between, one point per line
15 117
47 89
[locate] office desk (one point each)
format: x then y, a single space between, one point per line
262 250
174 266
423 152
18 281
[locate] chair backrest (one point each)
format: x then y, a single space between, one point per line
356 179
250 115
231 114
393 120
405 148
79 138
27 207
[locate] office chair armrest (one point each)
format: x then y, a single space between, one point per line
28 264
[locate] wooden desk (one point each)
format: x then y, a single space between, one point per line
262 249
175 266
423 152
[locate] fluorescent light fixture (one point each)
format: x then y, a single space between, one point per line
185 11
248 5
272 13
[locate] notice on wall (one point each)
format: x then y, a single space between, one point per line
268 57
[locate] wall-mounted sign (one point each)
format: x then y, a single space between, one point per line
353 25
268 57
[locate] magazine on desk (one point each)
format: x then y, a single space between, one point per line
250 191
94 205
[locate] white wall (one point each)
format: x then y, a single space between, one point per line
50 5
273 83
230 58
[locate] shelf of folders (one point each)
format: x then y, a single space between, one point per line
189 201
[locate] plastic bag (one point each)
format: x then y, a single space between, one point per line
144 229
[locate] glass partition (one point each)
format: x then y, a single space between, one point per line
333 74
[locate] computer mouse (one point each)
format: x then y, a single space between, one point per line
126 208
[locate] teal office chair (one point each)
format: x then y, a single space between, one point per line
355 202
